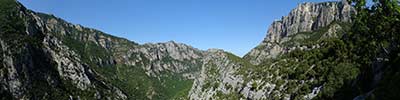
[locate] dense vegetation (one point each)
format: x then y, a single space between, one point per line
375 43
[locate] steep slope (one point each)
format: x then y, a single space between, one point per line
306 17
218 77
36 65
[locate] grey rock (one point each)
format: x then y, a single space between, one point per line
305 18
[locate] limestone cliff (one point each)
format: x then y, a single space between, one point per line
306 17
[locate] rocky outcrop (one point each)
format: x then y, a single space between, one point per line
306 17
169 56
217 77
228 77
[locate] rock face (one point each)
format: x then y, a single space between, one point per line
217 74
36 65
306 17
171 56
224 76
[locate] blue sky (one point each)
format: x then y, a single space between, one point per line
233 25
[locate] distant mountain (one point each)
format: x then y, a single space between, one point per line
313 53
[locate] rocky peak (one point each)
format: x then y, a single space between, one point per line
306 17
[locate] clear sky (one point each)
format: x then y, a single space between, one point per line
236 26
